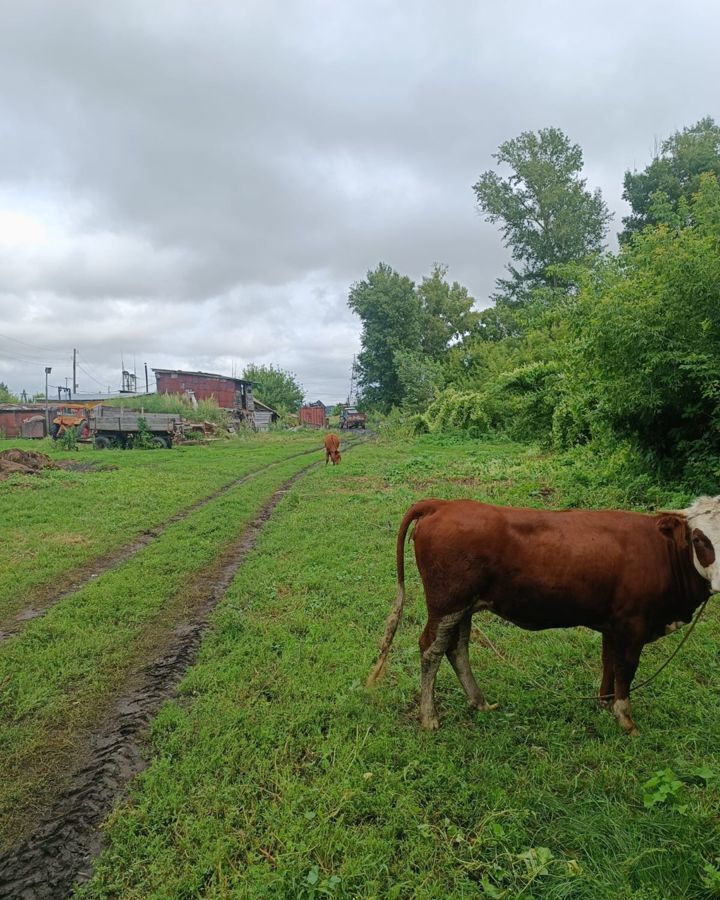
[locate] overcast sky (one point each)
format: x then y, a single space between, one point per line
197 184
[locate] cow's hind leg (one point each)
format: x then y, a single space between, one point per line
607 684
626 663
434 642
459 658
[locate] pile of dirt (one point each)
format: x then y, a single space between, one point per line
23 462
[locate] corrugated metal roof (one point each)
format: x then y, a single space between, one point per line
203 375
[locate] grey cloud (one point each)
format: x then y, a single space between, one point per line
223 172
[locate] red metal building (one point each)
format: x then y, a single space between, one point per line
313 415
229 393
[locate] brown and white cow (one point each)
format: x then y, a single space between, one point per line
332 449
632 577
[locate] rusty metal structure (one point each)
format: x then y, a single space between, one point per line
228 392
313 415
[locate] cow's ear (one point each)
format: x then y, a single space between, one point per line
704 549
674 528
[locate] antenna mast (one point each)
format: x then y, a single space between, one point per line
352 393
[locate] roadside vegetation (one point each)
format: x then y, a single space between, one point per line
582 346
276 773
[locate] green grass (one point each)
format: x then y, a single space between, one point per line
277 774
206 410
59 520
63 669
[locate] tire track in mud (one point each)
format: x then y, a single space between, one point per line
59 852
101 565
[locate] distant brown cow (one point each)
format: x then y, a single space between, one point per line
632 577
332 449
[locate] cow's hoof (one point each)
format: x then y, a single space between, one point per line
621 709
430 723
487 707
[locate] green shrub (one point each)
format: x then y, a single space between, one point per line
144 439
68 439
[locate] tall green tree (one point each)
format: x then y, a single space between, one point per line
548 217
6 396
391 318
275 387
407 330
446 312
655 194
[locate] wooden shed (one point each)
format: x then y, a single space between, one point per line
264 415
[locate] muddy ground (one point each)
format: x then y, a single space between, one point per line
23 462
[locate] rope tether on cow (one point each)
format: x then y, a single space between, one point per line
633 689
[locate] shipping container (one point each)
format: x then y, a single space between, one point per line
314 416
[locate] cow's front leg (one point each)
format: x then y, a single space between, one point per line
607 684
459 658
626 662
434 641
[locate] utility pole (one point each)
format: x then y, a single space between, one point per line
75 387
146 380
48 370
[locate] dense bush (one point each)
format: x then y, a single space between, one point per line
456 411
645 347
632 357
519 403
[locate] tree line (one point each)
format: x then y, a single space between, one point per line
580 344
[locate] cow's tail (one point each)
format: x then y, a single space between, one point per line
417 511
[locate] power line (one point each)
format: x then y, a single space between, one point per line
91 377
89 374
33 362
34 346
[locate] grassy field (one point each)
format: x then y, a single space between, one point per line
275 773
59 674
68 517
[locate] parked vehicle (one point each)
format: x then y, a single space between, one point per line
351 418
108 426
71 416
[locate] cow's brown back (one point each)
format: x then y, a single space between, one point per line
541 568
332 442
332 449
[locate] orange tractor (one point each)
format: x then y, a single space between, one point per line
72 416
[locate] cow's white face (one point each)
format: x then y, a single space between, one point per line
703 518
